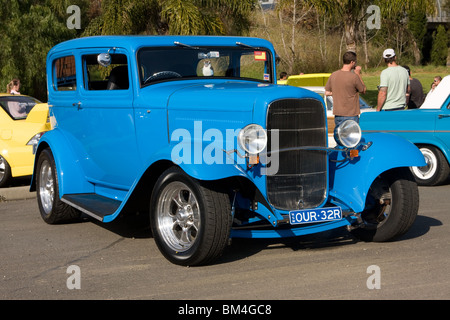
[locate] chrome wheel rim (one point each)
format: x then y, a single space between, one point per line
46 186
428 170
178 216
2 168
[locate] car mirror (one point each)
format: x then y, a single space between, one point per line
104 59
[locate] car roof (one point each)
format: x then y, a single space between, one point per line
435 99
134 42
16 95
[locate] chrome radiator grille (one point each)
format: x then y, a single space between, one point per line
301 179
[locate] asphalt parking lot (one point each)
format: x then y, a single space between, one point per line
120 260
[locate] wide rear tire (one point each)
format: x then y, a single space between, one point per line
190 219
52 209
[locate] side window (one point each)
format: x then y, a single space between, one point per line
65 74
113 77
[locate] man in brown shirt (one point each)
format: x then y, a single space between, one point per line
345 85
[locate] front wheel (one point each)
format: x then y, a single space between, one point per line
190 220
391 206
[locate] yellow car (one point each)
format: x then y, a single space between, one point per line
306 80
23 120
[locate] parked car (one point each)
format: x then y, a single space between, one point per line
427 127
23 120
364 106
195 131
307 80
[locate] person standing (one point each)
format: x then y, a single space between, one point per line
13 87
345 85
416 96
394 88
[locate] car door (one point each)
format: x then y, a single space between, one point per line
104 112
442 131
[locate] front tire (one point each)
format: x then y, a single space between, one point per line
52 209
436 170
190 219
391 207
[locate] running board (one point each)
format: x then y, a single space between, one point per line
92 204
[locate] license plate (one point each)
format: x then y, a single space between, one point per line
315 215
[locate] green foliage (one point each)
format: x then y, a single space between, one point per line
439 50
186 17
29 30
309 35
417 25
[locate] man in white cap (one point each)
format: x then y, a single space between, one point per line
393 93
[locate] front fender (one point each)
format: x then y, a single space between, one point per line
202 160
71 178
350 180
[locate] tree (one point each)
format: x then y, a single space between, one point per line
353 12
417 25
350 12
439 50
29 30
290 13
185 17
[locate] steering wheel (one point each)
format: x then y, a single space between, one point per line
162 75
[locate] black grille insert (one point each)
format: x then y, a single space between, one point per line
300 180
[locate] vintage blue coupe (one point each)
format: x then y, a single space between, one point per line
428 128
195 131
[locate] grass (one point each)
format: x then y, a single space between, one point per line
425 74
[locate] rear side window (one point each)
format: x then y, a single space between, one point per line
65 74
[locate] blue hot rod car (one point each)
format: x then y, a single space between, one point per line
195 131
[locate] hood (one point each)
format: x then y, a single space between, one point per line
231 96
227 104
215 103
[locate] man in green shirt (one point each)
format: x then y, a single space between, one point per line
394 87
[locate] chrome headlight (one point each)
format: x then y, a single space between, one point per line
34 141
252 138
348 134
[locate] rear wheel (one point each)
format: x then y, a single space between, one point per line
436 170
190 220
5 172
391 206
52 209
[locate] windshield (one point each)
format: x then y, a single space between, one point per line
18 106
158 64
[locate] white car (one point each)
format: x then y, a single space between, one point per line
364 106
